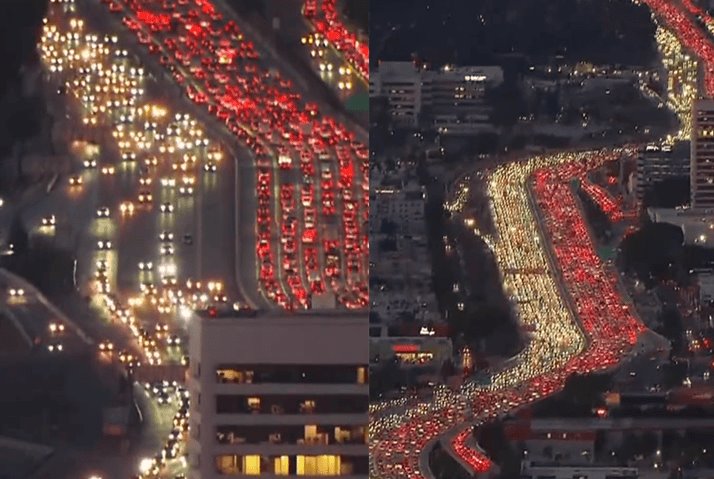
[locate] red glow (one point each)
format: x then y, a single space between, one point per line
406 348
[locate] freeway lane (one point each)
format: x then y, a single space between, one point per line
127 168
205 82
237 188
215 242
558 346
293 28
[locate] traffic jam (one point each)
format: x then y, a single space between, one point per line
305 248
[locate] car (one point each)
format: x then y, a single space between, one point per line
55 347
16 292
210 167
75 180
145 181
173 340
49 221
108 170
145 197
106 346
167 208
163 397
126 208
146 265
104 244
168 182
167 250
56 328
187 239
186 190
90 163
166 236
103 212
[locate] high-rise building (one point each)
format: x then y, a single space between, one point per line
279 396
702 155
657 163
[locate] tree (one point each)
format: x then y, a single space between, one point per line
649 251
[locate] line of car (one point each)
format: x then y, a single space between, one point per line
220 68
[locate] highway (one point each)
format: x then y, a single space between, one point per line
162 207
401 432
294 27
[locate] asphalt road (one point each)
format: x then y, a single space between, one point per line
293 27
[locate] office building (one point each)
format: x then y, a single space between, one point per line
451 100
702 155
461 90
657 163
278 396
400 83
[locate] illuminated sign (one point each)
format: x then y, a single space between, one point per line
406 348
424 331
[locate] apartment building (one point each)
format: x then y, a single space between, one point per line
702 155
278 396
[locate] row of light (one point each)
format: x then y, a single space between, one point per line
109 91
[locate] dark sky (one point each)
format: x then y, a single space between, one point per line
478 31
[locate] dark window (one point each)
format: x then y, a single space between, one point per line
320 434
288 374
291 404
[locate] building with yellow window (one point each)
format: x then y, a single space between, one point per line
276 396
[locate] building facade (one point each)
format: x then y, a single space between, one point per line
278 396
453 98
702 155
657 163
400 83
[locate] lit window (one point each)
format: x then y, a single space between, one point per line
282 466
251 465
361 375
325 465
254 403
